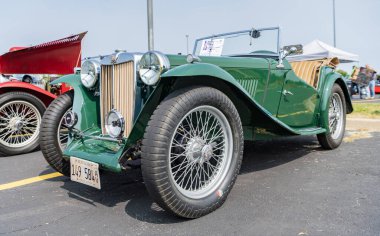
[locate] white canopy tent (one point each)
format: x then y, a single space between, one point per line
318 50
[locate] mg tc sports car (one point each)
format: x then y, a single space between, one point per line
183 119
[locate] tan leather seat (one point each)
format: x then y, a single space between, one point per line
309 70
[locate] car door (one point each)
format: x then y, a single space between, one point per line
274 86
298 103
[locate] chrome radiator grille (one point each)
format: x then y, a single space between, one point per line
123 92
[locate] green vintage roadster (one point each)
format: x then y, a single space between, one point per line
183 119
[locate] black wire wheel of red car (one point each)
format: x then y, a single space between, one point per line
55 133
336 118
192 151
20 120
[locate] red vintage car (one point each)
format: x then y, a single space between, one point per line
22 105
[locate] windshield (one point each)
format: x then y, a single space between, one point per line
253 41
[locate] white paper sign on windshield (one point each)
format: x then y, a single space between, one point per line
211 47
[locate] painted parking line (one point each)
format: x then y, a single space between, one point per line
29 181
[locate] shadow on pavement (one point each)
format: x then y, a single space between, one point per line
261 155
129 187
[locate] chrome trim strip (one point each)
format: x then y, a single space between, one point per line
137 58
102 138
118 58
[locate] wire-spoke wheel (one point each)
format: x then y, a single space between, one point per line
336 120
55 134
192 151
200 152
335 116
20 120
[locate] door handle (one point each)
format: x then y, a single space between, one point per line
286 92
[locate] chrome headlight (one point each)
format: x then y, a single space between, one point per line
152 65
114 124
89 74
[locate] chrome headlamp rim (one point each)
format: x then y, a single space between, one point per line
70 118
90 73
120 118
150 73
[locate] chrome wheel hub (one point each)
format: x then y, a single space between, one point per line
194 149
16 124
198 151
207 152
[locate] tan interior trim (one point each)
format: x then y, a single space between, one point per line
309 71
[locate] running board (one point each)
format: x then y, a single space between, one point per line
309 131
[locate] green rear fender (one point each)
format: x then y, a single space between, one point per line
331 79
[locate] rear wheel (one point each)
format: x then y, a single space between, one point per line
336 118
20 116
192 151
54 132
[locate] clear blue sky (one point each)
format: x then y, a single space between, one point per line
121 24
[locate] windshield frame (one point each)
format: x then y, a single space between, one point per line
241 32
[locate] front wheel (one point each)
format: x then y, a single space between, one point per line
336 118
192 151
54 132
20 120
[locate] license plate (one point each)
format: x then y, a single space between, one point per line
85 172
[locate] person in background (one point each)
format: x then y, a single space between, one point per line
354 77
371 85
361 81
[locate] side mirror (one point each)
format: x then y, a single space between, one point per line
287 51
293 49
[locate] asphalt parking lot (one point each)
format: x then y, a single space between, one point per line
286 187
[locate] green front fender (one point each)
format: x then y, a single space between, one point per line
204 69
73 80
329 81
85 104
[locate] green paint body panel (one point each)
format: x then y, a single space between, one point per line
255 85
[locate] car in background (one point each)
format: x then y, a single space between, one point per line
377 86
31 79
24 97
351 86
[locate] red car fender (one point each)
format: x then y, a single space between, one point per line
16 86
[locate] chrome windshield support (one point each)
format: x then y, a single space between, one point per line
237 33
